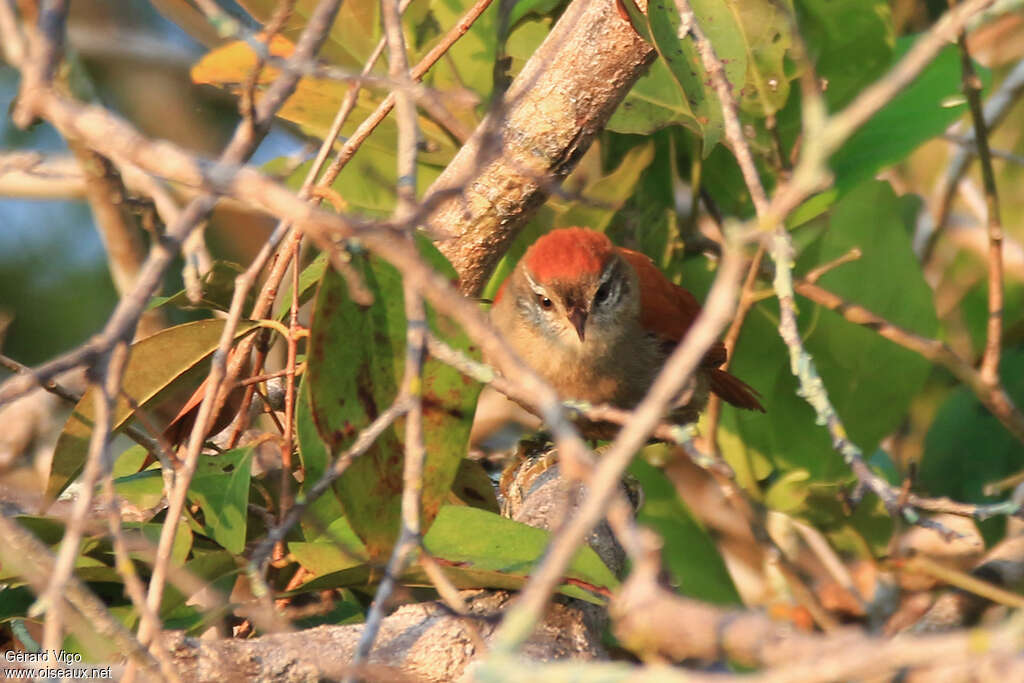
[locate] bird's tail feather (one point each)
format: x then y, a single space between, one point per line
734 390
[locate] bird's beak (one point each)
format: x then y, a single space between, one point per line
578 318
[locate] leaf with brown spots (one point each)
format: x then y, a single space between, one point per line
356 362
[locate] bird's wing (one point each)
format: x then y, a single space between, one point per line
667 311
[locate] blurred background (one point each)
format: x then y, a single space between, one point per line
139 61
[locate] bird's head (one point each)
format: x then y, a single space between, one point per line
574 287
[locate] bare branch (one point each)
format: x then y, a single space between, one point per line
996 109
994 330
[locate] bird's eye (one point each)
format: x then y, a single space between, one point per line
544 302
603 292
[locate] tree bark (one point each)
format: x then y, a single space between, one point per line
534 136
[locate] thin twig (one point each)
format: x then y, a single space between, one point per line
362 443
46 46
134 587
412 477
358 137
415 347
106 194
967 582
996 109
309 43
730 109
105 378
833 133
678 434
994 330
968 142
747 301
14 44
824 136
35 564
995 398
287 437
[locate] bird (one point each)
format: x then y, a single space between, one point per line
598 321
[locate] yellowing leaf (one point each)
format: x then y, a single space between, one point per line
230 66
315 101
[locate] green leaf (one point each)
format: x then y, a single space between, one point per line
470 62
217 288
352 37
850 42
523 8
367 182
336 549
479 549
766 33
151 532
155 363
917 114
313 105
142 489
14 602
692 558
861 369
356 360
751 37
786 437
481 544
315 460
217 569
967 447
599 199
129 462
789 492
346 609
474 487
221 489
654 102
720 26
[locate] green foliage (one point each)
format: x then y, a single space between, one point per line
689 553
861 369
967 448
752 39
356 363
216 289
220 487
160 365
922 111
476 548
850 41
640 184
784 449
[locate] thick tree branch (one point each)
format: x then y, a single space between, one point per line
534 136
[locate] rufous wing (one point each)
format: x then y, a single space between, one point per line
667 311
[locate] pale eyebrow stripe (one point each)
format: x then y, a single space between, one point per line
537 289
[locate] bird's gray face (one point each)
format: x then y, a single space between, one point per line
578 312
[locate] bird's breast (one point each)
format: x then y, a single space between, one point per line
597 370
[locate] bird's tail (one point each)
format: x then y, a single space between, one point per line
734 390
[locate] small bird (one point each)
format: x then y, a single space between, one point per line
598 321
